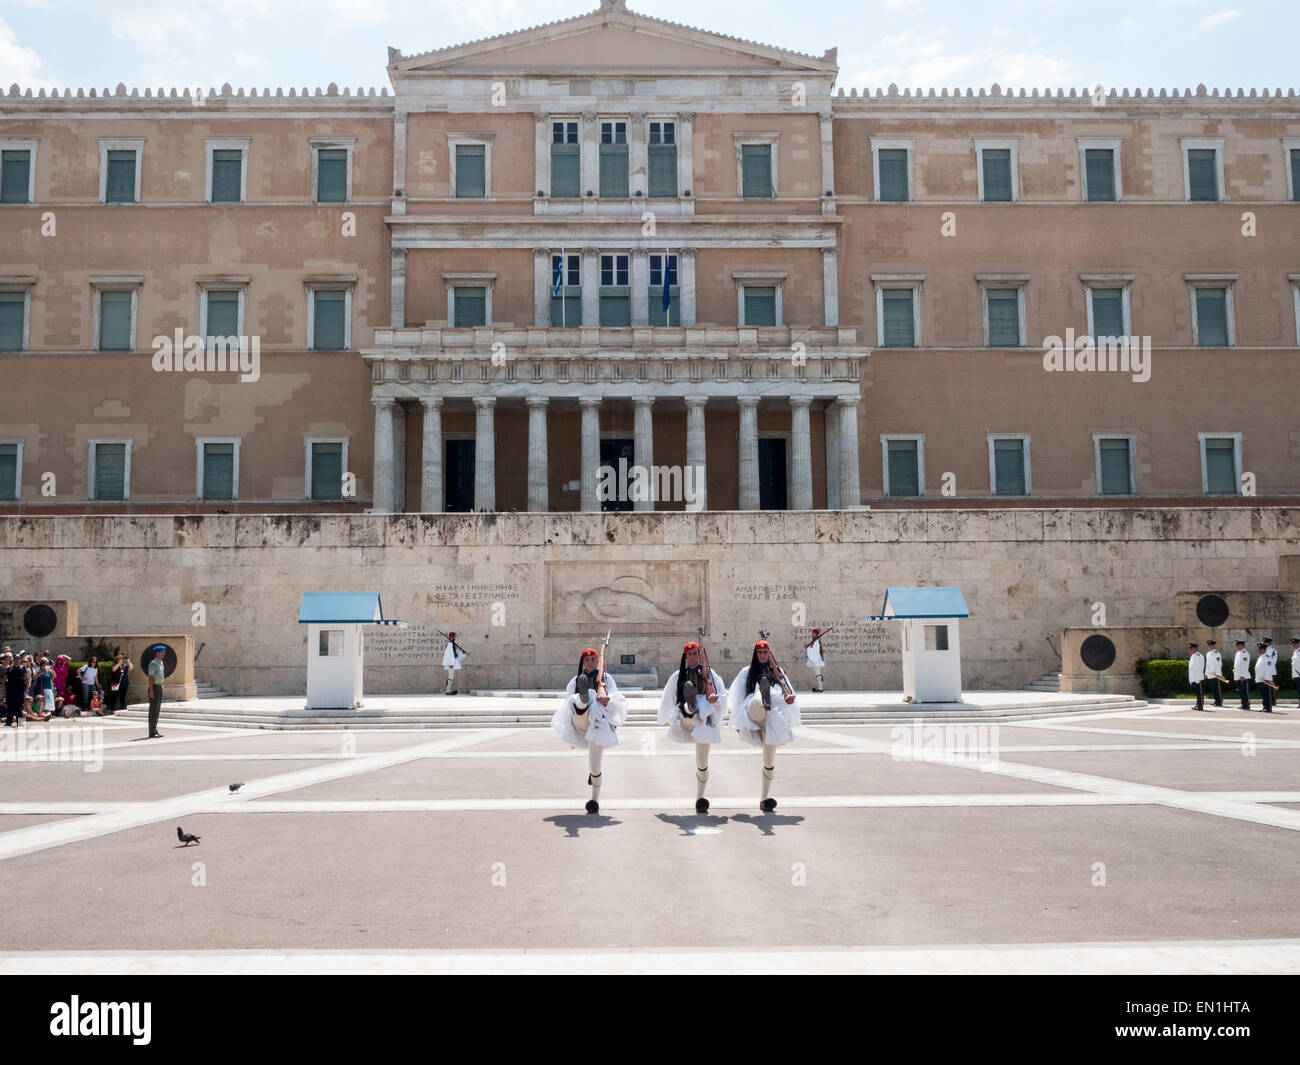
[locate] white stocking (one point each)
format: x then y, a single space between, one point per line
701 769
769 768
594 755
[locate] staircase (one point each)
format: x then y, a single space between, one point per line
207 690
1048 682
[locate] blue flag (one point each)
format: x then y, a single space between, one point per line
559 275
670 279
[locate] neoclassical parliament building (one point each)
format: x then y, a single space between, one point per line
618 240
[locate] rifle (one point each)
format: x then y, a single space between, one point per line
710 689
600 669
780 673
451 641
818 637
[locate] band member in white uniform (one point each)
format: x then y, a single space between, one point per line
1196 674
692 716
453 659
815 660
1262 677
585 718
1241 673
1214 671
1295 667
761 713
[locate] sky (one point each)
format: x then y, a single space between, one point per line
914 43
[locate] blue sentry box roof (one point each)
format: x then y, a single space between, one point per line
945 602
340 607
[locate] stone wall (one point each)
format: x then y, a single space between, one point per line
1027 574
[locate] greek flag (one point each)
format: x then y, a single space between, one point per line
670 279
559 274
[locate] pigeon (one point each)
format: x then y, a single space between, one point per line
236 787
185 837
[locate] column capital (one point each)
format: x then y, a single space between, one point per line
848 401
431 402
541 251
686 253
696 401
685 116
485 402
537 401
541 118
383 402
747 401
643 401
800 401
591 251
829 251
589 401
587 116
639 253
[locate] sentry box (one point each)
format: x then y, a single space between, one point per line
931 647
335 652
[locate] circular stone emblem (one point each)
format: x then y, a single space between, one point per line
169 658
1212 611
40 620
1097 652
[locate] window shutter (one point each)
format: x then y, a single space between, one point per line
663 169
613 170
657 314
997 175
218 471
331 175
328 326
15 174
565 171
1115 473
12 307
893 175
110 471
1295 173
904 472
1220 466
1203 174
899 322
1212 317
1009 467
8 471
1107 312
471 171
756 171
327 471
115 321
1004 318
615 307
120 186
223 314
1101 174
569 315
760 305
227 165
471 307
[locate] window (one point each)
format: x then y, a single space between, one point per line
115 316
17 171
13 319
326 463
332 169
1004 310
936 637
997 170
893 167
1220 463
903 465
110 469
218 472
896 316
227 170
1202 170
119 171
1009 465
471 165
11 467
613 159
758 297
1099 165
760 305
566 290
1107 312
331 643
566 160
662 160
1295 298
222 313
756 171
329 315
615 291
1212 320
664 280
1293 173
469 306
1115 464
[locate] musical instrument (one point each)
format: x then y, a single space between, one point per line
784 681
710 689
1215 676
451 641
601 694
1269 683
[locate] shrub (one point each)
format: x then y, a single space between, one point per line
1164 678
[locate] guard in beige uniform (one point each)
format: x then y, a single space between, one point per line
156 674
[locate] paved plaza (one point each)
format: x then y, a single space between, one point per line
1149 840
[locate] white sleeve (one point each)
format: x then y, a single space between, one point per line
616 711
668 700
736 695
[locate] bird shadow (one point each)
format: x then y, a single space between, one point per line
766 823
689 823
572 823
184 846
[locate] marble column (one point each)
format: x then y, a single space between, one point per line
686 284
749 496
538 466
801 494
485 454
590 451
831 286
831 421
431 498
543 285
697 469
850 490
385 408
397 289
639 275
643 447
590 286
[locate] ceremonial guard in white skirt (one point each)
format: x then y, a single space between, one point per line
590 715
692 714
453 660
763 708
816 662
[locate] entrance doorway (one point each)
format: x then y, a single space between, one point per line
458 476
610 452
771 474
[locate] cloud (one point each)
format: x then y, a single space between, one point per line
915 60
1219 19
19 63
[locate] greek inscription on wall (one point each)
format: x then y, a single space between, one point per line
854 642
417 645
758 591
472 594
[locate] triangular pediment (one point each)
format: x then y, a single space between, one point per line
611 39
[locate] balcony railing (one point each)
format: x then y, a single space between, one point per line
596 339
